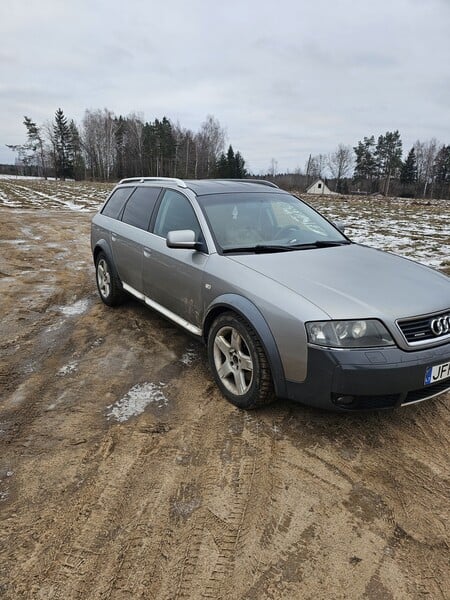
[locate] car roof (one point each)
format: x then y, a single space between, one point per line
202 187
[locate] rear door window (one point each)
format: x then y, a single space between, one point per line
139 208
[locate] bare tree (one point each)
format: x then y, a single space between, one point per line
340 163
316 166
209 144
135 140
49 133
23 158
425 157
98 141
184 151
273 167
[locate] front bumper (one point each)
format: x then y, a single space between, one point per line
368 378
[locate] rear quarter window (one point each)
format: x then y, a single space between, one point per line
116 202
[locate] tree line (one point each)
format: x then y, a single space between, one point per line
108 147
377 166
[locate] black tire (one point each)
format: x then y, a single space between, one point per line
108 283
239 363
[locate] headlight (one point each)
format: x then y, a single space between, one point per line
349 334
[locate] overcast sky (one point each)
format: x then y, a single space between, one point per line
285 78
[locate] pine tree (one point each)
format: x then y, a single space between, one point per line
408 173
365 164
76 152
63 146
231 165
441 169
36 144
240 169
388 154
222 167
231 162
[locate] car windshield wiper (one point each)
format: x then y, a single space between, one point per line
259 249
321 244
263 248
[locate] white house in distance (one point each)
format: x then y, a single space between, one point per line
319 187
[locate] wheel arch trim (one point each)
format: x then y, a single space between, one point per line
102 246
246 309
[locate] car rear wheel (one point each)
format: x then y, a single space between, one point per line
239 363
108 282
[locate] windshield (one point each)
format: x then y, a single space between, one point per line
253 219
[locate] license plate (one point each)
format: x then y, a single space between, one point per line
437 373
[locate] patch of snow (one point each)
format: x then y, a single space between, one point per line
136 401
19 396
25 177
28 232
189 357
61 398
54 326
68 369
77 308
15 242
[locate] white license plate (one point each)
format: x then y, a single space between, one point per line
437 373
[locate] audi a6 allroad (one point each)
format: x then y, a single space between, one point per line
287 305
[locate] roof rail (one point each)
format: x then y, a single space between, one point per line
179 182
259 181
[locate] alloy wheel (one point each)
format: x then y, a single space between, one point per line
103 278
233 361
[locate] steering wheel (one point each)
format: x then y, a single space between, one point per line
287 231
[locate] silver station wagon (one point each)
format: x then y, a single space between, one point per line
286 304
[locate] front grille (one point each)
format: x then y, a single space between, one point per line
427 392
418 330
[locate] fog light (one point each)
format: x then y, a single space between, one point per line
344 400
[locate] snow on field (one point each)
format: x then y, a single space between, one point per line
25 177
29 192
416 229
136 400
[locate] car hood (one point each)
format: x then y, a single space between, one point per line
355 281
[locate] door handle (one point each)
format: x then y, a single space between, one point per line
147 252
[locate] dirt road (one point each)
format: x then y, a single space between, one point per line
124 474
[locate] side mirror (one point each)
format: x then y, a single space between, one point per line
183 238
340 225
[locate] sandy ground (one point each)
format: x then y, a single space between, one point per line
124 474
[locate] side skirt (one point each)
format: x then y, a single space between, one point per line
164 311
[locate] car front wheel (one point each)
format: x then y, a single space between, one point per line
108 282
239 363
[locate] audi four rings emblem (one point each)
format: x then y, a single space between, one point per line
441 325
